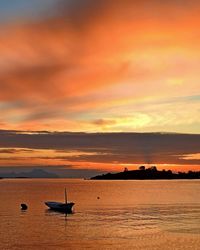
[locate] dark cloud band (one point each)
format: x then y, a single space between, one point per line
132 148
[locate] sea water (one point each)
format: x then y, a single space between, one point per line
160 214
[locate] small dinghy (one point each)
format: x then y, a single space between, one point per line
59 206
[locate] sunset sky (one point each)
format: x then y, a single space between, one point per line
99 66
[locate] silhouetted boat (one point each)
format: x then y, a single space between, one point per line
60 206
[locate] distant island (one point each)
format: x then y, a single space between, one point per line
35 173
147 174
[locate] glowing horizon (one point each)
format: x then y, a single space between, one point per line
98 152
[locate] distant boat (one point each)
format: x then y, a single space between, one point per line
60 206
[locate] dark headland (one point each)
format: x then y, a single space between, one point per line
147 174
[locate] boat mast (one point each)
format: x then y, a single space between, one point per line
65 196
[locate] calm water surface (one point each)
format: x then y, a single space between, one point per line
128 215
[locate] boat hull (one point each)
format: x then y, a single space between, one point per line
60 207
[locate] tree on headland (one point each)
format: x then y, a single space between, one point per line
125 169
153 168
142 168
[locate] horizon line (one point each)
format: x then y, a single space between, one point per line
95 132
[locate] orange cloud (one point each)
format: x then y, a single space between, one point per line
83 63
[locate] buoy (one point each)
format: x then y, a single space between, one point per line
24 206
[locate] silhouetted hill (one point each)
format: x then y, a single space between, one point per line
147 174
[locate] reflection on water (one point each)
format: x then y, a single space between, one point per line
143 214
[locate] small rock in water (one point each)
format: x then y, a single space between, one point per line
24 206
